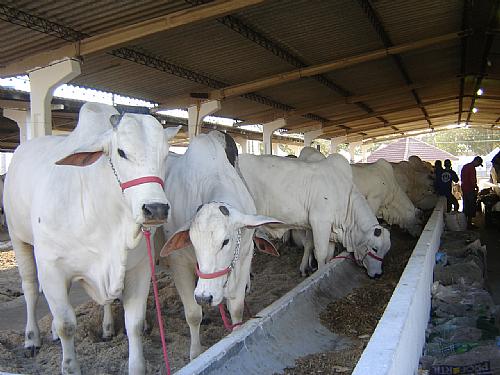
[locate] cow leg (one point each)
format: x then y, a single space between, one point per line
185 282
108 326
55 288
304 264
236 307
27 269
54 331
236 304
135 298
306 267
321 237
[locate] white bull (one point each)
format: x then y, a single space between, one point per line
213 219
2 212
75 206
320 196
377 184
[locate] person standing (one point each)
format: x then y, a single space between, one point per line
438 170
470 189
448 177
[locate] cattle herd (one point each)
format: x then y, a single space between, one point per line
75 207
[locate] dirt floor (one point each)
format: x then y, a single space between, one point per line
10 287
272 277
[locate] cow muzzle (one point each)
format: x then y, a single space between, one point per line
204 299
155 213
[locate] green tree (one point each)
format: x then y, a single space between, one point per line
287 149
471 141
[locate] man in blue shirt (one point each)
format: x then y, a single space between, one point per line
444 185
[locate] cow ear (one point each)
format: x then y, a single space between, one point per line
81 159
178 241
89 153
265 246
172 131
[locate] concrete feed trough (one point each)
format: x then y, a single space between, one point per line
287 329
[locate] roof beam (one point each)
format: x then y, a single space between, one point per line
294 75
122 35
486 17
386 40
347 100
139 57
283 53
336 123
463 54
157 63
404 134
371 127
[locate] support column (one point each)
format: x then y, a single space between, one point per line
309 137
267 135
243 142
275 147
196 114
352 148
22 119
43 82
335 142
364 152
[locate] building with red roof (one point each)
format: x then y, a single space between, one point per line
403 148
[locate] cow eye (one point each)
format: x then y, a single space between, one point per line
226 241
122 153
374 249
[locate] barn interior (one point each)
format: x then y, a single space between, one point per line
349 72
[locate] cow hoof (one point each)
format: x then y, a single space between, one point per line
31 352
107 338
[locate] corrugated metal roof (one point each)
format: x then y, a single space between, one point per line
276 37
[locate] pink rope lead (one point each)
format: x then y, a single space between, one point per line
147 234
225 319
227 325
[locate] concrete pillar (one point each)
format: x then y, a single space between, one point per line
243 142
309 137
364 152
196 114
352 148
43 82
275 147
22 119
267 135
335 142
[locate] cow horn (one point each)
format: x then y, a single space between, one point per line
224 210
377 232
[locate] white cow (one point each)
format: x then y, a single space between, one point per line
377 184
2 212
213 219
416 179
320 196
75 206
